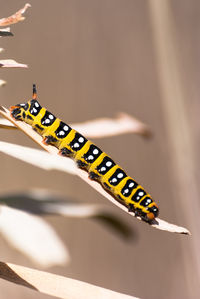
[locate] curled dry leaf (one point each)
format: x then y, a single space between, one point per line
11 63
103 127
32 236
157 223
15 18
55 285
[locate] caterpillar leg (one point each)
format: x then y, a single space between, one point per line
49 140
106 186
81 164
65 152
93 176
131 208
138 213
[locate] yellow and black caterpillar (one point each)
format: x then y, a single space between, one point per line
88 157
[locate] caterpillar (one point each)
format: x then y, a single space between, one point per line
88 156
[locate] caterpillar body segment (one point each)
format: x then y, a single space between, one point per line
88 156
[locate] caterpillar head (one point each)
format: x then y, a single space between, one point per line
25 110
18 111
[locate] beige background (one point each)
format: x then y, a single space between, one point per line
94 58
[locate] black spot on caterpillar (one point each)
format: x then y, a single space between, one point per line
88 156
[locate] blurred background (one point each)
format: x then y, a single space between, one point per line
91 59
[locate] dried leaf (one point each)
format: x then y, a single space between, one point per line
6 124
157 223
38 158
2 83
105 127
15 18
55 285
5 32
33 237
43 202
11 63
